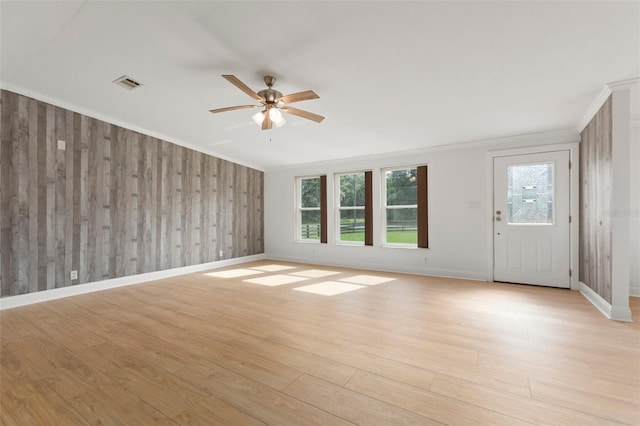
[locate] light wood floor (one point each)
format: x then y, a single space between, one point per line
396 349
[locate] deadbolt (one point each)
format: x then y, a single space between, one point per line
498 219
498 212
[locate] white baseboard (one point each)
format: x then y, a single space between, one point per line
634 291
440 273
616 313
58 293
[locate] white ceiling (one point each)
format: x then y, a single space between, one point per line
391 75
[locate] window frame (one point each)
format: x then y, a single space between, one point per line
322 237
366 208
421 206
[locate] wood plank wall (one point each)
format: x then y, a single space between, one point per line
114 203
595 203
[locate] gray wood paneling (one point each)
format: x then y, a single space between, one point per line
113 203
595 203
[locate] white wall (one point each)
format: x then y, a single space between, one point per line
634 201
458 213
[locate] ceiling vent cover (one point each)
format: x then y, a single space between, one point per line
127 82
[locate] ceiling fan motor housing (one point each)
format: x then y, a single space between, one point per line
270 95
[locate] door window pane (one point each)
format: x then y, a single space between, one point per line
530 194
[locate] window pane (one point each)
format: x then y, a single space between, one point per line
402 187
310 226
352 225
530 193
310 192
402 226
352 190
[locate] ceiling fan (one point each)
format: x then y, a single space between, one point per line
273 103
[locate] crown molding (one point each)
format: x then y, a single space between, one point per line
602 98
622 84
593 108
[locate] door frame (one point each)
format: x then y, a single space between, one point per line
574 206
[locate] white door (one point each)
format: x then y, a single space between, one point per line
531 219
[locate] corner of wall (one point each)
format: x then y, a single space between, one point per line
611 312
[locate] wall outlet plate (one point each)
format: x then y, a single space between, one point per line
221 253
62 145
73 275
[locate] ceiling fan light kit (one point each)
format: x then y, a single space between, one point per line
273 103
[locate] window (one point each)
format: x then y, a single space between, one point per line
311 209
405 213
354 208
530 194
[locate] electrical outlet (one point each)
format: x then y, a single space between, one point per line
73 275
221 253
62 145
425 260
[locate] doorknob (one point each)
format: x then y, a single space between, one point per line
498 219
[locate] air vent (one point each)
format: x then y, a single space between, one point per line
127 82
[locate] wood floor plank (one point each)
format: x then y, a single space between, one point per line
350 405
57 328
416 370
369 362
406 348
111 404
162 390
302 361
36 403
582 401
214 411
426 403
521 408
596 386
14 370
257 400
13 327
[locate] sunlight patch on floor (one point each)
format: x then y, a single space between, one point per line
329 288
367 279
272 268
275 280
315 273
233 273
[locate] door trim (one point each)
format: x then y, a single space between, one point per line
574 181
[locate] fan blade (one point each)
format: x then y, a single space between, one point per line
232 108
304 114
297 97
266 123
240 85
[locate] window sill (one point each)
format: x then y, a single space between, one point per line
348 244
400 246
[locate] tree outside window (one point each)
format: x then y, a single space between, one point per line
351 207
401 208
309 208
